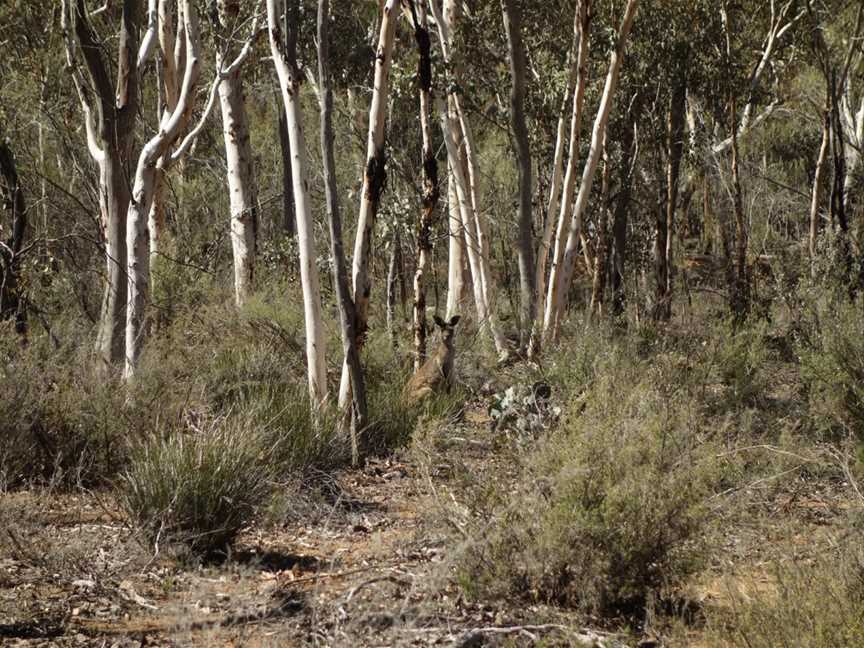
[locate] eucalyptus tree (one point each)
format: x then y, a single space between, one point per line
374 176
561 184
525 245
420 23
157 148
109 121
290 80
835 62
238 149
559 284
344 302
579 72
465 174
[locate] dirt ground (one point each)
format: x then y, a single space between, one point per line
366 569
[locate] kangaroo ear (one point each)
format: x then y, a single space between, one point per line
439 321
454 320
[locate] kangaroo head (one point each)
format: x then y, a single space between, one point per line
448 329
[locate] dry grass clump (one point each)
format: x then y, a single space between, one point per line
812 604
199 487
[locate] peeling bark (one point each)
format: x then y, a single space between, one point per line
430 181
373 183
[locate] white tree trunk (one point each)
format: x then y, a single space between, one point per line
555 309
289 83
373 178
818 186
456 249
557 174
241 187
474 227
567 193
109 141
460 184
137 235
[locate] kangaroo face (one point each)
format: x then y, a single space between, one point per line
448 329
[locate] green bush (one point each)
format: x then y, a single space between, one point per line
740 356
610 509
199 487
832 367
60 422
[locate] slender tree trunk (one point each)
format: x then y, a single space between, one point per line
741 289
288 211
456 250
527 284
392 285
143 191
11 302
582 24
289 80
601 260
241 182
559 288
619 220
558 167
818 188
373 183
666 216
430 182
287 186
170 63
345 304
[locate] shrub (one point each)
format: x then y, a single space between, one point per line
60 422
609 510
740 356
199 487
832 367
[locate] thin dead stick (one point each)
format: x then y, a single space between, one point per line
372 581
342 574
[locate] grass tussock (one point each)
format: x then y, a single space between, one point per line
200 487
811 604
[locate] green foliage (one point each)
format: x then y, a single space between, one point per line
832 367
740 356
200 486
60 422
610 509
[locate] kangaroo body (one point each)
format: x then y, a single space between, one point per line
436 373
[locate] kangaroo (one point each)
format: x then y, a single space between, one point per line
437 371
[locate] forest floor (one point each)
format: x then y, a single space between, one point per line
362 565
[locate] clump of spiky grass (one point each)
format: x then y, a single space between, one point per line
200 487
